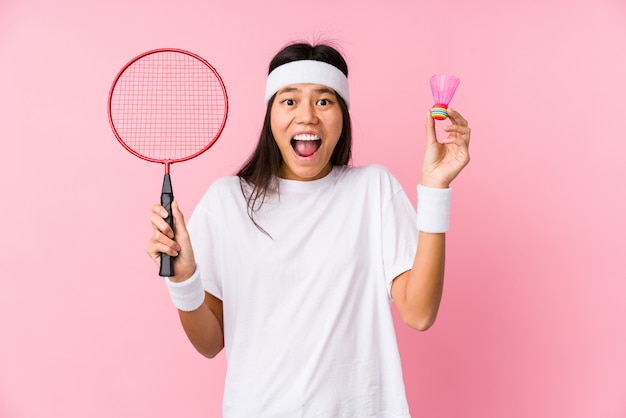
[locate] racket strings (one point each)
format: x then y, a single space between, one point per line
168 106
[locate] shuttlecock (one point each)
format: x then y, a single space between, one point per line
443 88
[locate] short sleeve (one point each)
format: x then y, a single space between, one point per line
400 235
205 236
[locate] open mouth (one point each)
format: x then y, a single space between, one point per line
306 145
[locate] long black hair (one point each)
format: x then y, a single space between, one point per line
259 174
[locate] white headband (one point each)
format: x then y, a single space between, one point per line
307 72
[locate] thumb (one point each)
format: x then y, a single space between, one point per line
185 263
431 134
179 219
182 235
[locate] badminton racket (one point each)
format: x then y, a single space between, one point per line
167 106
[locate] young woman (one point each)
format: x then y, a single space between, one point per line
291 265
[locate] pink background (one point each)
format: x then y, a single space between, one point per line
532 323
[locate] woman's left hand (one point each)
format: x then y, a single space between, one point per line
444 160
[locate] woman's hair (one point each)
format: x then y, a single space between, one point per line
259 174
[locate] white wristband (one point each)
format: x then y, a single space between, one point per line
433 209
187 295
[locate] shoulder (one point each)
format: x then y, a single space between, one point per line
223 200
221 190
374 180
225 184
372 174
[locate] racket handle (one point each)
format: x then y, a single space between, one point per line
167 197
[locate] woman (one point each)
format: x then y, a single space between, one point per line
291 265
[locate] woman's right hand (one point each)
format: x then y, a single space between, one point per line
164 241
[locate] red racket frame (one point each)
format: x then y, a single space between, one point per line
175 160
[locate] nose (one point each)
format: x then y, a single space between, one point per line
307 112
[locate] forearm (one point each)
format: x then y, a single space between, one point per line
200 312
203 328
424 282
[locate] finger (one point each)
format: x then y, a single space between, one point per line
160 239
458 129
451 139
159 210
456 117
155 256
457 139
460 132
160 225
159 215
157 247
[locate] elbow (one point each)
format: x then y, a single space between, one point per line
423 326
420 322
210 355
208 347
208 352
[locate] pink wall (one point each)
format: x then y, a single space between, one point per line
532 323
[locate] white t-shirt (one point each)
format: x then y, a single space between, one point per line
307 322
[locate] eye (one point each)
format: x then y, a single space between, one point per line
323 102
289 102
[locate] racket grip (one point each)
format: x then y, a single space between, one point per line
167 197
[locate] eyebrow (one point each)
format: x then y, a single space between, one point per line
295 89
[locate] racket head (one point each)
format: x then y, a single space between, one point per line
167 105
